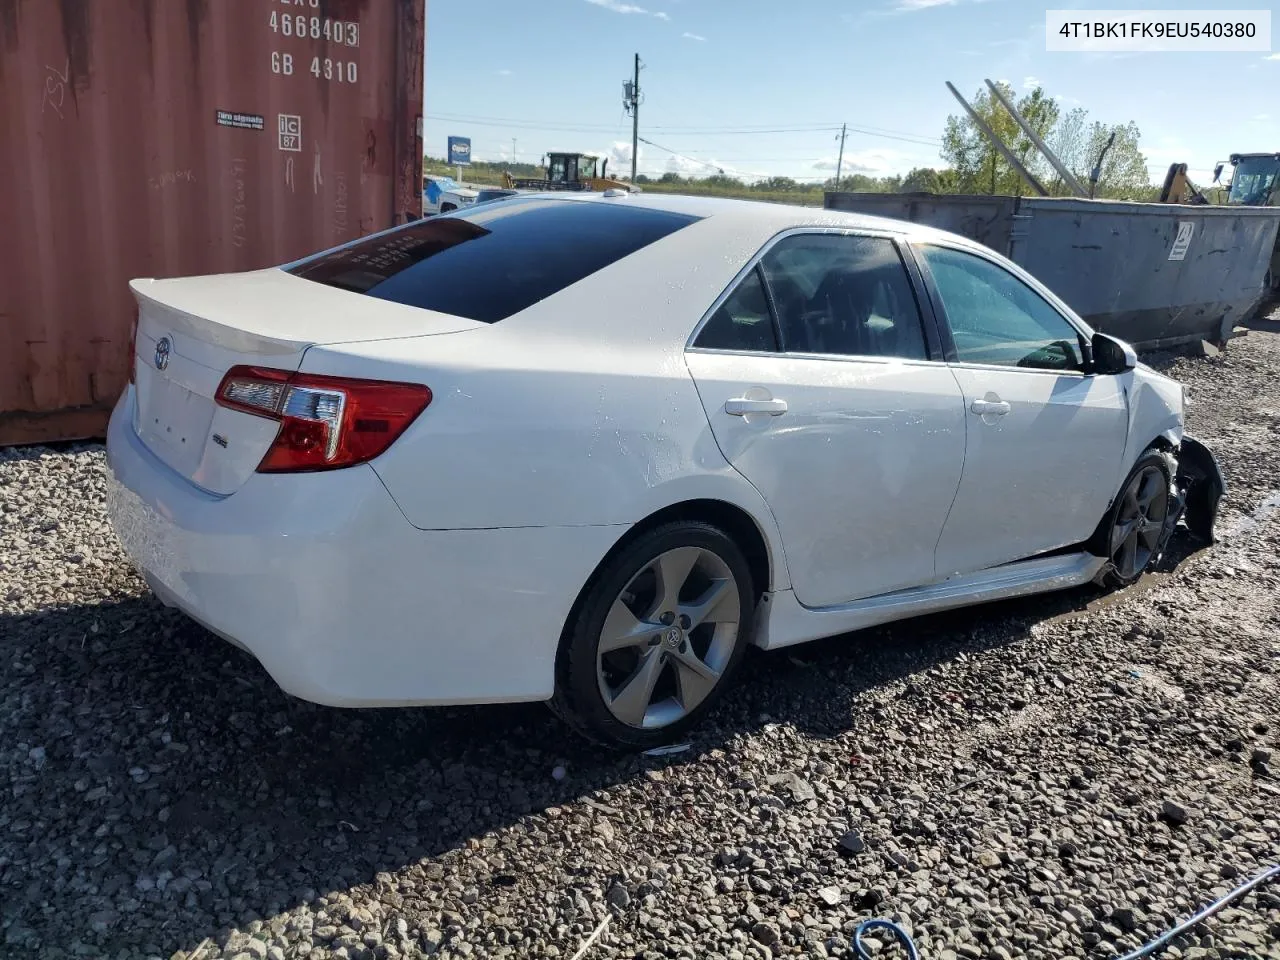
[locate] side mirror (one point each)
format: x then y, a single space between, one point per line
1112 356
1217 172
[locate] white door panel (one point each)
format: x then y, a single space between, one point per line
1040 466
859 460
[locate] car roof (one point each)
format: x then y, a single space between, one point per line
757 214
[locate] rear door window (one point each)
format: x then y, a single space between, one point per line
841 295
489 262
743 321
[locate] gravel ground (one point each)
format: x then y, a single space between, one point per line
1063 776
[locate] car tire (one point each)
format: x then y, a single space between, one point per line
1131 534
446 207
667 662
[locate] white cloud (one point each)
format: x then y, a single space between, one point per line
690 168
504 73
618 7
910 6
1274 56
694 36
662 16
893 8
871 163
619 154
1030 83
1261 117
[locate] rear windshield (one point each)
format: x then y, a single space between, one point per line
491 262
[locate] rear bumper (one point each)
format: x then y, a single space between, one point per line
320 577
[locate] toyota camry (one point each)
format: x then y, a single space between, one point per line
586 449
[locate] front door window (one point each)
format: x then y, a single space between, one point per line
997 319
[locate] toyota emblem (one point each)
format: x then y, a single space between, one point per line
163 346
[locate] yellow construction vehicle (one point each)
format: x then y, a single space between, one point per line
1178 187
1255 182
569 171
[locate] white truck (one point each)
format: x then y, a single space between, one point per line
441 194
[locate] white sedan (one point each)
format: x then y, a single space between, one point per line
585 449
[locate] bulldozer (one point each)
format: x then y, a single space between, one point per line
1255 182
569 171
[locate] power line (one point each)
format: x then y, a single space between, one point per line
659 146
741 128
479 119
561 126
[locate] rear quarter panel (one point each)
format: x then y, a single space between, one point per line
579 411
513 443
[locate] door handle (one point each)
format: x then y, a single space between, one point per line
741 406
987 408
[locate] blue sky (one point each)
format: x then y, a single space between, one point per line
758 87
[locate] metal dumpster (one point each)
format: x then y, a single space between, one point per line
1152 274
158 138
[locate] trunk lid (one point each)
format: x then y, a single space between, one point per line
191 331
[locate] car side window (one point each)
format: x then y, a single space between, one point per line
997 319
844 295
743 321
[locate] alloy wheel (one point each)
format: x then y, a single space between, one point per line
668 638
1144 505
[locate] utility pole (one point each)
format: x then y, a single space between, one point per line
840 163
631 102
513 149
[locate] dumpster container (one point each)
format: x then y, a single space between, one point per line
154 139
1152 274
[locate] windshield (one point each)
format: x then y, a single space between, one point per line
1254 181
586 168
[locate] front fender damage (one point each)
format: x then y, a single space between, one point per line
1197 490
1201 487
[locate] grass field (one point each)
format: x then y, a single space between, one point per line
483 176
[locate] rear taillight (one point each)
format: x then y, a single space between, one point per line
133 350
325 422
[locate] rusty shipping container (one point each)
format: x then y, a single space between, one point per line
156 138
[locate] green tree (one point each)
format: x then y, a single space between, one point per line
977 164
777 185
722 181
1077 141
928 180
1124 174
861 183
